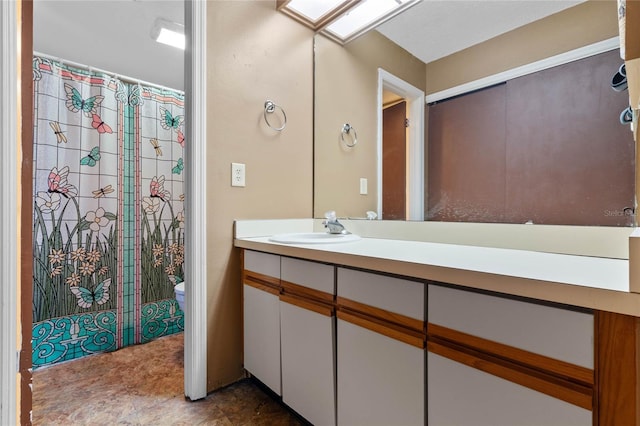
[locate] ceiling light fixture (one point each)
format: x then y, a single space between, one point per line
343 20
167 32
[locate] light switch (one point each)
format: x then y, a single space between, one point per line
363 186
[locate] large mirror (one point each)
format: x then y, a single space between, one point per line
351 88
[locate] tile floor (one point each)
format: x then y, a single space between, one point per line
144 385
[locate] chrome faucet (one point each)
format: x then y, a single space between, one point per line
332 224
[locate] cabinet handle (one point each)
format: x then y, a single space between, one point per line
571 383
384 315
564 390
310 305
261 282
556 367
306 292
394 331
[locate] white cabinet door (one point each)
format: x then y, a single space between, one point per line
261 312
381 381
262 336
308 363
463 396
307 327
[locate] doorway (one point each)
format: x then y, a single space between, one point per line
394 157
195 349
412 174
19 32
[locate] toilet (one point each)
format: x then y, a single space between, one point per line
179 290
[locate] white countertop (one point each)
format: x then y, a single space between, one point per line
584 281
601 273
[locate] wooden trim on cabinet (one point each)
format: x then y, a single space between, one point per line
617 360
579 395
261 282
306 292
379 326
301 302
562 380
384 315
562 369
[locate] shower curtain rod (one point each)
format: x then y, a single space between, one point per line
109 73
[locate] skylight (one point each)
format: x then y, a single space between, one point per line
363 16
314 10
343 20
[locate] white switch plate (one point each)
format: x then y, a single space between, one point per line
237 174
363 186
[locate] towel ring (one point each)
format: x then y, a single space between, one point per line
270 108
346 130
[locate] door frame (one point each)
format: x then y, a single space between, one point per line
9 199
415 140
195 320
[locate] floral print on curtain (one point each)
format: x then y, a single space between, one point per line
108 212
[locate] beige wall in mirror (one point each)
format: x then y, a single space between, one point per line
578 26
346 91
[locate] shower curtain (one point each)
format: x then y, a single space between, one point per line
108 212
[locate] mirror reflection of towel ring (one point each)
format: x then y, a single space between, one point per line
270 108
346 130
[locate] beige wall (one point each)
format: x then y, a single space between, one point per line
346 87
253 54
587 23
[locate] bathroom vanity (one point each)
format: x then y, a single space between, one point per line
385 331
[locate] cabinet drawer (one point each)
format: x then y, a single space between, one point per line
395 295
313 275
557 333
262 263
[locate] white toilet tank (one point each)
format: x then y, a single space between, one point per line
179 290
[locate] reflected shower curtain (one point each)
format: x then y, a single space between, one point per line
108 212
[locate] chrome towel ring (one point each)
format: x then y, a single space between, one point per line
270 108
346 130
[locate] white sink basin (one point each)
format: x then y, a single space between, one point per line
313 238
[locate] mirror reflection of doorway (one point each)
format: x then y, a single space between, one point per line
394 154
400 164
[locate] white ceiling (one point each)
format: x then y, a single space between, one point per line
113 35
433 29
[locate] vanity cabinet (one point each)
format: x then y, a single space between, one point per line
504 361
347 346
289 331
261 314
307 325
380 349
